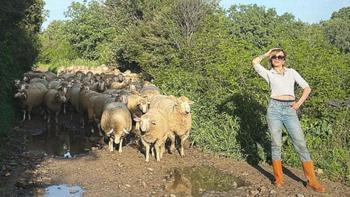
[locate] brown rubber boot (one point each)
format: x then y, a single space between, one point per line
311 177
277 172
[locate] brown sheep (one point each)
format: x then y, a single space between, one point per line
53 100
31 96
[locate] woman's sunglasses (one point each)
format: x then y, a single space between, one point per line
278 57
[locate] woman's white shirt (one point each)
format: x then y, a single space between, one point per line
281 84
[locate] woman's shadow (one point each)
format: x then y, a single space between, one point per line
253 131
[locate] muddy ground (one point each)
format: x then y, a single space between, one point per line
34 161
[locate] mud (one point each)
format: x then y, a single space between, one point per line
34 161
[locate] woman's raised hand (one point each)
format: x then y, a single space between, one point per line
268 53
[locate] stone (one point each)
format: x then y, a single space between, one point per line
319 171
150 169
254 192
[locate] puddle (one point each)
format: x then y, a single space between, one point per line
63 190
196 181
62 144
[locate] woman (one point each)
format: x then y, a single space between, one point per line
282 112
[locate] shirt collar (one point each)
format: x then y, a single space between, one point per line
274 72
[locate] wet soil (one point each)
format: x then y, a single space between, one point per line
34 161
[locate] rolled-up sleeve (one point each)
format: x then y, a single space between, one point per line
300 80
261 71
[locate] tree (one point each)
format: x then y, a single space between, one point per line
338 29
87 28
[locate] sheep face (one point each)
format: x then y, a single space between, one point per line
145 122
143 105
119 135
184 104
21 95
120 78
60 96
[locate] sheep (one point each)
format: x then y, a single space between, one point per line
98 86
31 95
39 80
116 123
149 91
177 111
156 130
97 104
53 100
120 85
84 95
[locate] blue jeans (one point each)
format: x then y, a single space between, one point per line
280 114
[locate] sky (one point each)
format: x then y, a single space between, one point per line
310 11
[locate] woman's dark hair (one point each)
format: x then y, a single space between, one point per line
276 51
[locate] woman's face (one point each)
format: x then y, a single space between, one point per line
278 59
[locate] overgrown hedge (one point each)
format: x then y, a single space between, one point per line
20 23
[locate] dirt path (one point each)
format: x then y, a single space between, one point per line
30 166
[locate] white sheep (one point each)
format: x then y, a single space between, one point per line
116 122
178 114
156 130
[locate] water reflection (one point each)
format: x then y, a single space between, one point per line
194 181
63 190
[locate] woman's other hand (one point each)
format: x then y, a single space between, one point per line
295 105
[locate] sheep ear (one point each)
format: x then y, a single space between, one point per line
137 119
18 94
124 99
190 102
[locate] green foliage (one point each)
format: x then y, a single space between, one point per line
338 28
87 28
55 45
20 23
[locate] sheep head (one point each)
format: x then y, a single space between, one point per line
143 104
119 135
183 104
60 96
21 95
145 122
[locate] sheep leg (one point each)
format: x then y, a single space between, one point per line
152 152
92 129
183 139
29 116
64 109
56 117
173 141
120 145
48 117
147 146
110 144
24 115
162 149
157 147
99 129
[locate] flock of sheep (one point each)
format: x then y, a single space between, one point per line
114 103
